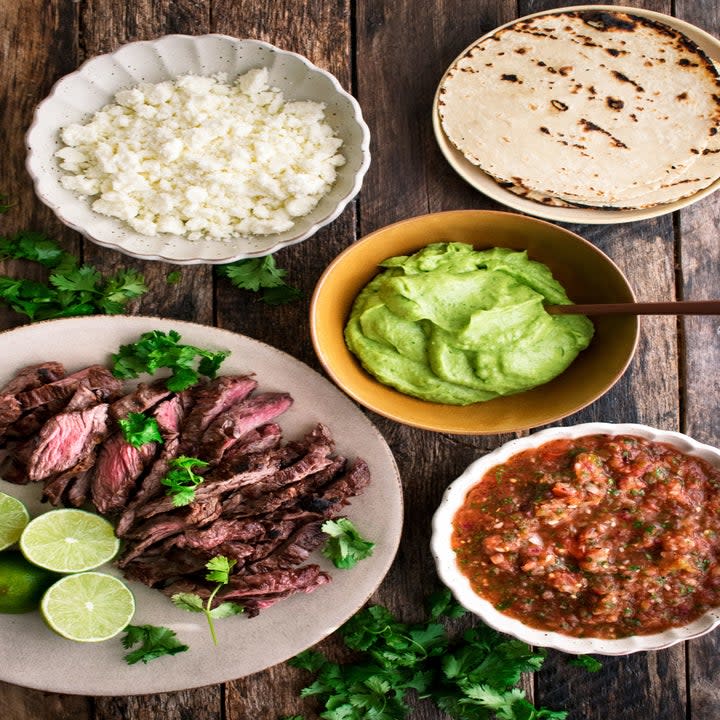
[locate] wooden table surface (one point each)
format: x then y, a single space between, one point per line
391 56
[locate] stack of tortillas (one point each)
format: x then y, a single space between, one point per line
587 108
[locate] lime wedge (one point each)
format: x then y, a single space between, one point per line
13 519
68 541
88 607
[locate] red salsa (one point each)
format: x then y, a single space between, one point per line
602 536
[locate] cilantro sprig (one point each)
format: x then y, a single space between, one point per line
155 641
261 275
470 677
345 546
137 429
218 569
157 349
72 289
181 481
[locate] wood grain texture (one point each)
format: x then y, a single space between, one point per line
391 56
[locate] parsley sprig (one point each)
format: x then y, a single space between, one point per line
345 546
219 569
181 481
155 641
471 677
72 289
261 274
157 349
138 429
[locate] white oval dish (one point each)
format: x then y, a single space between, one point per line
75 98
460 586
33 656
483 182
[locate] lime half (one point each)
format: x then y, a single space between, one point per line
88 607
68 541
13 519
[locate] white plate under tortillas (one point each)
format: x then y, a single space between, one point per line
592 114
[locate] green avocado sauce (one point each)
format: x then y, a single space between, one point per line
455 325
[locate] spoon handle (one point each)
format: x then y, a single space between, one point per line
677 307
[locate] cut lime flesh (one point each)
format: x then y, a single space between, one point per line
68 541
13 519
88 606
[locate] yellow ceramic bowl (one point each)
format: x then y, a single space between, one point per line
586 273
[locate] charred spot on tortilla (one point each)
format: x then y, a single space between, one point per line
510 77
559 105
614 103
609 21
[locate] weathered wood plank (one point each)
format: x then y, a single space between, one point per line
38 45
699 256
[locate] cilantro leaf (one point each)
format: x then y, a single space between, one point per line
472 676
345 546
181 481
71 289
138 429
256 274
154 642
157 349
586 661
188 601
218 568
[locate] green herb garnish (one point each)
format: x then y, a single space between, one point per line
219 569
157 349
470 677
345 546
261 274
586 661
72 289
173 277
138 429
155 642
181 481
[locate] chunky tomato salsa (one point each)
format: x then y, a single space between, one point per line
602 536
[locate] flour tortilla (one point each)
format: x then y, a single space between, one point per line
593 108
700 175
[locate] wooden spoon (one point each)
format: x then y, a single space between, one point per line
676 307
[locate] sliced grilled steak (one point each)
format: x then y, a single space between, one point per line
169 414
260 466
55 488
57 394
211 400
262 438
294 551
150 533
29 377
118 467
303 491
43 402
142 399
242 588
154 569
238 420
66 439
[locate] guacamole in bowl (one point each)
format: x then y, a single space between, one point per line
454 325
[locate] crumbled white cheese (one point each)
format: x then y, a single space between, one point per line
200 157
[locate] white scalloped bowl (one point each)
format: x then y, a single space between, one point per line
447 568
75 98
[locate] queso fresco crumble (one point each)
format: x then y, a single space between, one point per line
203 158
